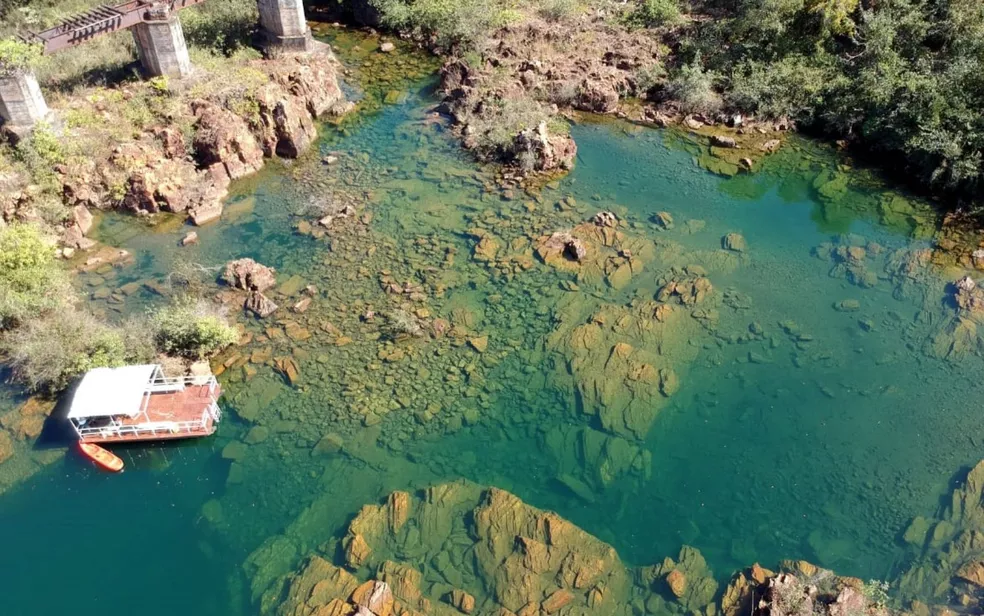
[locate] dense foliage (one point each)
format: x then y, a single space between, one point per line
47 353
446 22
192 329
17 56
31 281
902 77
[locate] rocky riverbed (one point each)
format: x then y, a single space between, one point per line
664 357
461 548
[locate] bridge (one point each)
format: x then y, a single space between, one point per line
160 43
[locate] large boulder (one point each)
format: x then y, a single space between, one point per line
223 138
249 275
262 306
549 152
286 126
479 550
596 96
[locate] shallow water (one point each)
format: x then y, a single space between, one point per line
778 445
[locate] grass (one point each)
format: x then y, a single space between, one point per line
219 28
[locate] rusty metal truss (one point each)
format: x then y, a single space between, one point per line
104 20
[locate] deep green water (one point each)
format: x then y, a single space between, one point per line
819 450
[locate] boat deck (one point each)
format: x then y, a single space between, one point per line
187 405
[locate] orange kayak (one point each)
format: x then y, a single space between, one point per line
101 457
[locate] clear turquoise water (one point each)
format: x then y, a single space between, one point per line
825 460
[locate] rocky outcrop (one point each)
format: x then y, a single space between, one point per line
621 361
459 548
299 91
582 63
248 275
960 334
233 128
548 152
223 143
476 550
505 125
950 549
850 256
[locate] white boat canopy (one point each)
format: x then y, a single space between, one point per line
104 392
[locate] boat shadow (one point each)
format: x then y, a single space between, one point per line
57 432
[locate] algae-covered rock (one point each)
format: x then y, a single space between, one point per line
478 550
596 253
272 560
831 185
689 579
952 558
590 460
620 360
916 532
734 242
6 446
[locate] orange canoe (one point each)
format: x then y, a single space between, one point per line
101 457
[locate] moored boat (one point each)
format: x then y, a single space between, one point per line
140 403
103 458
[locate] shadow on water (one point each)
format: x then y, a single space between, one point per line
57 432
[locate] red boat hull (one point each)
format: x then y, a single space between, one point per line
102 458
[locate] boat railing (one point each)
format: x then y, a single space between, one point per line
214 411
177 383
148 428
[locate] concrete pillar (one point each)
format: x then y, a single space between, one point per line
21 102
161 45
284 25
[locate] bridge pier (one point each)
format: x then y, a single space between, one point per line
21 102
161 45
284 25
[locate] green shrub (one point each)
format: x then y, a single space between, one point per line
655 13
40 153
647 78
101 61
693 88
876 593
17 56
447 22
792 87
159 85
51 209
558 10
47 353
221 26
31 281
195 329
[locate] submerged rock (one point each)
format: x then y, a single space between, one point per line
518 556
260 304
605 219
734 242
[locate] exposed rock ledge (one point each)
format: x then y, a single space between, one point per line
540 69
459 548
166 169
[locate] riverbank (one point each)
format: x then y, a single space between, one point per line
163 151
728 72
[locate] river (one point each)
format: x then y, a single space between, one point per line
812 419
